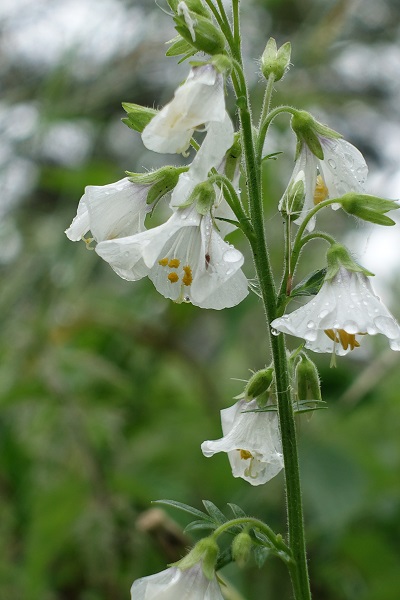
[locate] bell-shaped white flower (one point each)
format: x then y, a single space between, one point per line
200 100
188 260
344 309
110 211
252 441
342 170
177 584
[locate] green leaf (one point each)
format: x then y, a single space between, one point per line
310 285
238 513
197 525
260 555
186 508
214 512
179 46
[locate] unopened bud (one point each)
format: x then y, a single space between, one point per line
196 6
204 197
368 208
241 548
308 385
199 32
275 62
259 383
293 199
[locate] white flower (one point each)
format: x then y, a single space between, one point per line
343 170
200 100
187 260
252 441
344 308
176 584
110 211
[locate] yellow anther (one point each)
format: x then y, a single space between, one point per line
340 336
174 263
163 262
321 191
188 277
173 277
245 454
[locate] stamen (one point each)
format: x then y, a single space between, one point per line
163 262
340 336
174 263
321 191
245 454
173 277
187 279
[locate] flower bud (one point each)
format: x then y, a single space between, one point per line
204 196
368 208
275 62
308 385
241 548
308 131
259 383
206 550
338 256
138 116
293 200
199 32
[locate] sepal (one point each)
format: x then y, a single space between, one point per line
307 378
138 116
338 256
241 548
206 550
309 131
160 182
200 33
196 6
180 46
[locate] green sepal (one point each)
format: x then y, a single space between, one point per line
160 182
241 548
310 285
208 38
180 46
206 550
293 199
138 116
338 256
309 131
369 208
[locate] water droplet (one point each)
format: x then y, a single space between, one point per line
351 327
323 314
310 324
331 163
275 331
231 256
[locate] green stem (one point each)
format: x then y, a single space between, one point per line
234 202
222 21
299 573
264 124
236 22
267 98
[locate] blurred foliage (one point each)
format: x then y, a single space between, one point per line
107 389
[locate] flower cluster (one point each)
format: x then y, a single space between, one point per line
186 257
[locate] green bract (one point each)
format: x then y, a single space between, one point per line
164 180
138 116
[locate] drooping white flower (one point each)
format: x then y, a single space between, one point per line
344 308
177 584
187 260
342 170
110 211
200 100
252 441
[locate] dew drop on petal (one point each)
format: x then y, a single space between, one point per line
231 255
332 163
323 313
351 327
310 324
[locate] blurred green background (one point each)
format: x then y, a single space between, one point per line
106 388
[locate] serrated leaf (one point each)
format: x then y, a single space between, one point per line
214 512
310 285
186 508
197 525
238 513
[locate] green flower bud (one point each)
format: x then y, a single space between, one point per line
275 62
138 116
369 208
200 33
241 548
309 131
259 383
307 378
293 200
338 256
206 550
160 182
